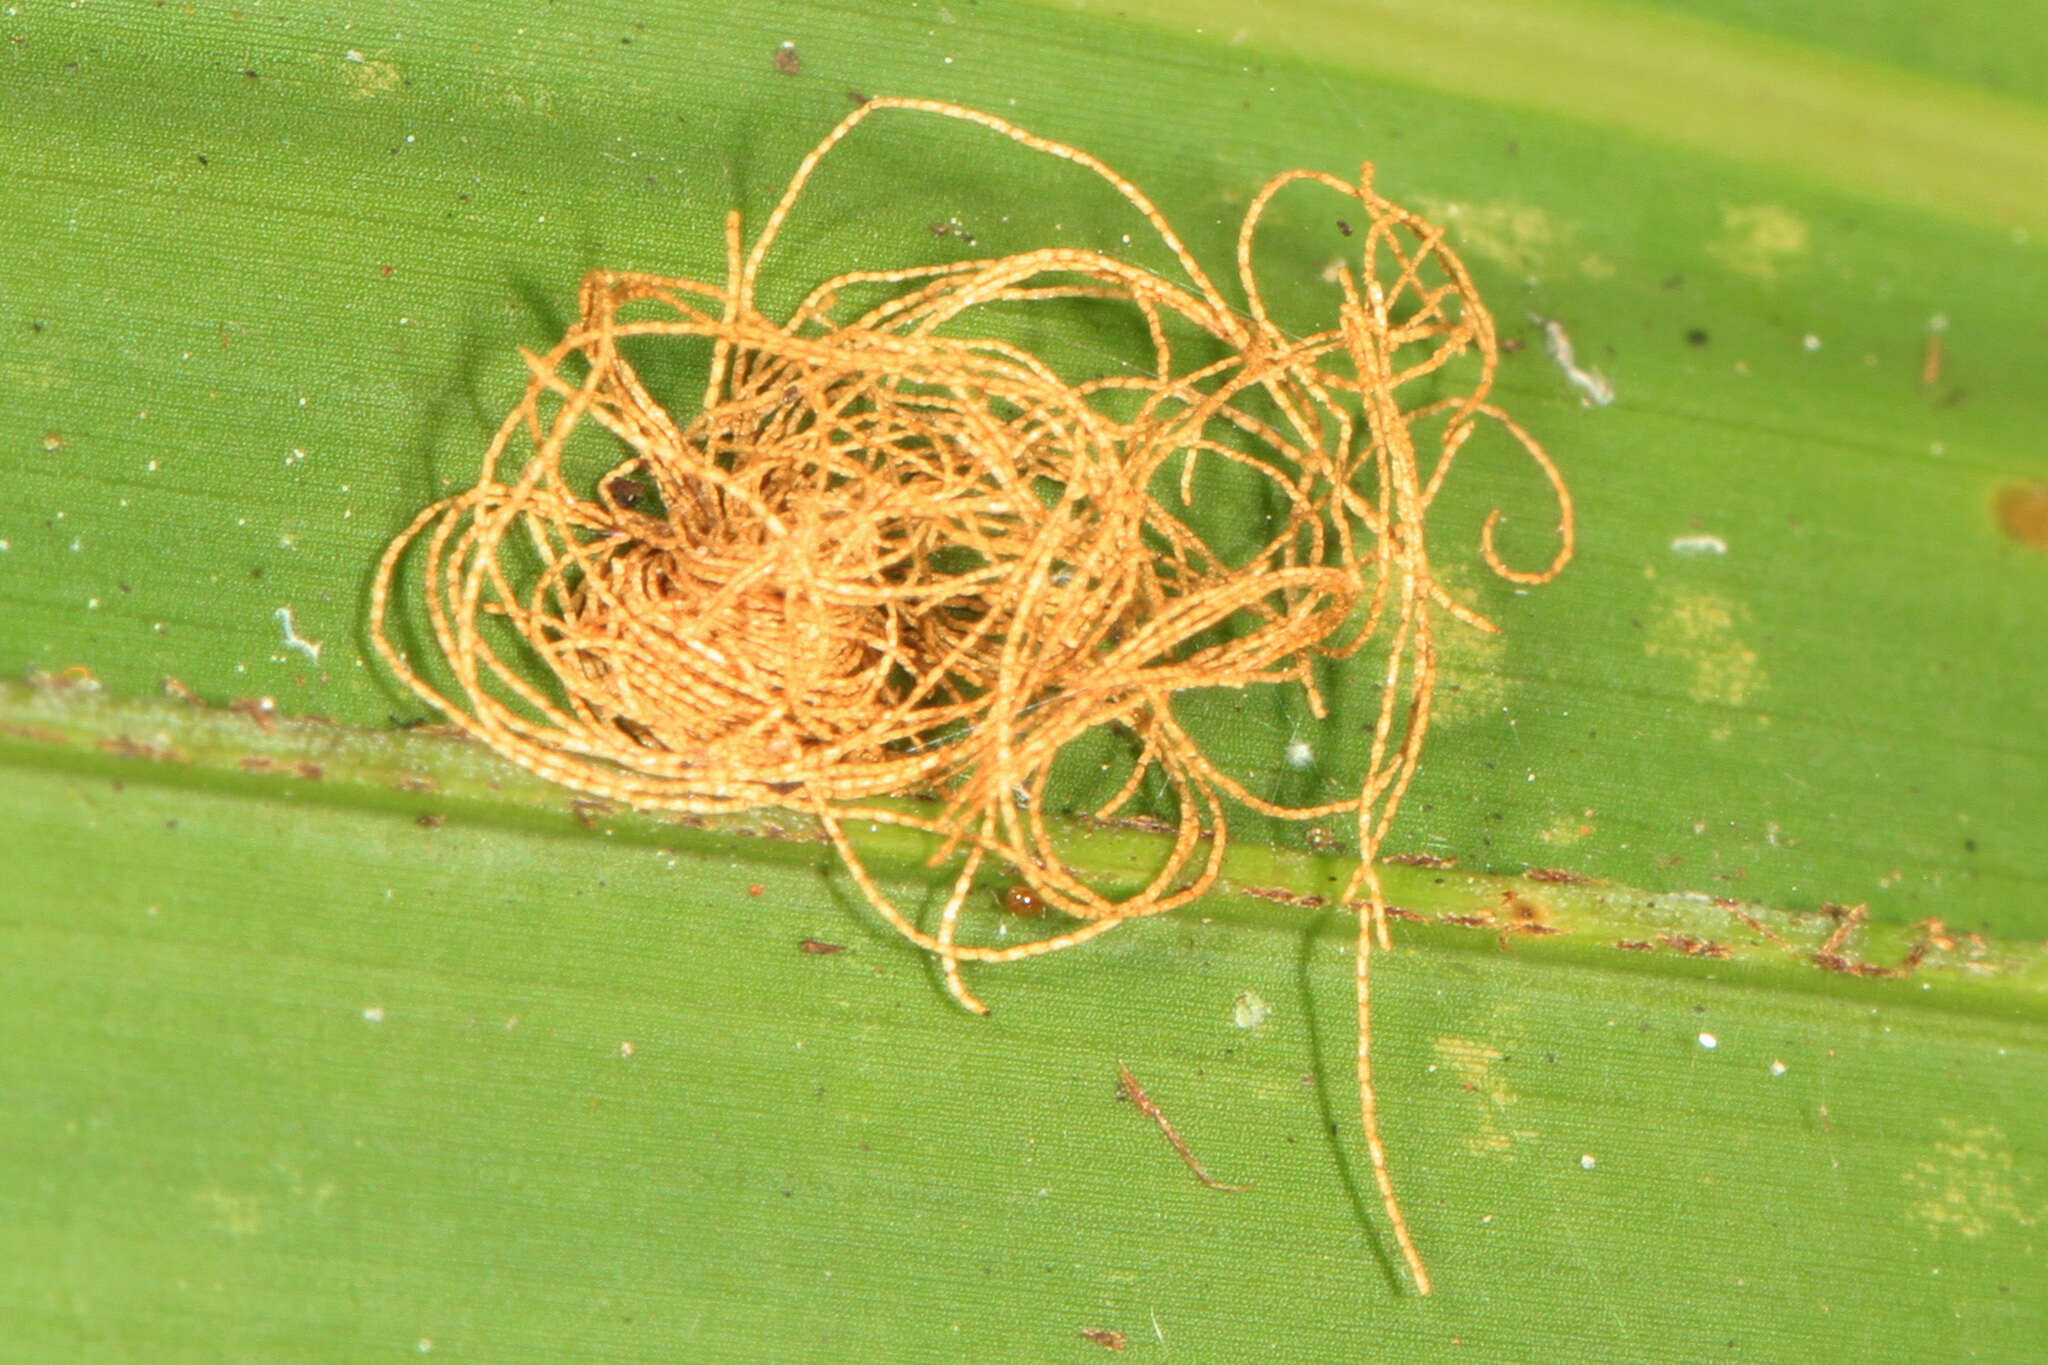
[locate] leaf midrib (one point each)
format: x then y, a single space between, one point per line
52 726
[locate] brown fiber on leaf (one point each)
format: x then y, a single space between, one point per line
892 556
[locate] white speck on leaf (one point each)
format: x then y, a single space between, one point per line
309 648
1699 545
1594 387
1250 1010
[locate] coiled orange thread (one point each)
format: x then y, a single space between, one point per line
892 556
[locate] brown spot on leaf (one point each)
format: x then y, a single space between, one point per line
1694 947
1524 914
157 751
1280 895
1419 860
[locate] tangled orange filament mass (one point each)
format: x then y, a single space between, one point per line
892 556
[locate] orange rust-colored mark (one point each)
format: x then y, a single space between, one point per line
1525 914
1935 934
1107 1337
1151 1110
262 710
78 677
2022 510
1761 929
1930 361
817 947
1020 899
1846 918
1831 957
177 691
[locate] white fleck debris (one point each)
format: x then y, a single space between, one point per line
1300 754
425 1345
4 547
1593 386
1709 1041
1810 342
352 55
1699 545
309 648
77 544
1250 1010
1937 448
1587 1162
374 1013
1938 323
1778 1068
295 457
92 604
626 1048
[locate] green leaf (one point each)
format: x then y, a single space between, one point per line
330 1039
